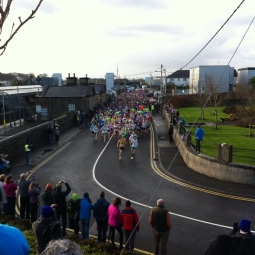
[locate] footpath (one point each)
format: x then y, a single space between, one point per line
168 155
180 171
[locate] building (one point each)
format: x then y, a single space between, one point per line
220 78
244 75
55 101
180 78
58 78
109 77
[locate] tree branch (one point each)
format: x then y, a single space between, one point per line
4 16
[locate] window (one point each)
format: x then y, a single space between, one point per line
184 79
71 107
44 112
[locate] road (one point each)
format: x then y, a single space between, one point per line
89 166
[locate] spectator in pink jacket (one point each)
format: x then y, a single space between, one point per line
10 188
115 221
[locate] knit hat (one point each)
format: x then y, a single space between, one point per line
86 195
47 212
75 197
48 186
58 186
245 225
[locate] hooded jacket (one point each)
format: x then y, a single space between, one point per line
85 209
100 209
130 218
114 216
47 197
39 227
60 197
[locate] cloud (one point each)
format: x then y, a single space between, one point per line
45 7
146 4
134 31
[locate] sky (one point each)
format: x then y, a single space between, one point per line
130 38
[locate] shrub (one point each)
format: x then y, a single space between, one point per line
230 109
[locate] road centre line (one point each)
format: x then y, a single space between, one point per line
37 167
143 205
211 192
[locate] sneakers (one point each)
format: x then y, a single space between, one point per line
131 157
119 158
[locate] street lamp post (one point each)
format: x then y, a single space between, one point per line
3 113
19 105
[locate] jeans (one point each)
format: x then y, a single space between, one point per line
63 220
130 240
112 233
74 224
160 239
5 207
198 145
27 157
25 207
85 228
11 205
50 138
102 229
34 211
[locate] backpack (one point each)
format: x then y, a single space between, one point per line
57 132
51 231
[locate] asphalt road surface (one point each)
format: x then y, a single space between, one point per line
90 166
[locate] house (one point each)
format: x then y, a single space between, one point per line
218 77
179 78
55 101
244 75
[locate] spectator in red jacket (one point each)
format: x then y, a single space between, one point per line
131 225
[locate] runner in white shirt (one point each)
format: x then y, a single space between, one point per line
134 145
104 132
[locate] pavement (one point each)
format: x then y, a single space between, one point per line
171 161
177 168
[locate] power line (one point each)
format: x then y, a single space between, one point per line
215 34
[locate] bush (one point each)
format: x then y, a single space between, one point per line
89 246
230 109
181 101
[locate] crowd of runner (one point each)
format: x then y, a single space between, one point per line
126 118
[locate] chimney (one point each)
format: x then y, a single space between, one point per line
68 75
73 74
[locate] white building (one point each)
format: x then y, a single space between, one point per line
58 77
220 76
244 75
109 78
179 78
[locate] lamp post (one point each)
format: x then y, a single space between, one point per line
19 105
3 113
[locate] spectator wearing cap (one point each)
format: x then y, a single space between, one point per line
240 241
3 202
47 195
131 225
73 210
60 199
100 213
12 241
161 224
23 184
85 214
10 188
42 228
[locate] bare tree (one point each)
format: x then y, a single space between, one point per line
4 12
199 98
213 91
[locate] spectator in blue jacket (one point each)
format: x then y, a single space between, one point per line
199 134
100 214
85 214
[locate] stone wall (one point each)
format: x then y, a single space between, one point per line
210 166
14 145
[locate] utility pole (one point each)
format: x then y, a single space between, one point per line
161 85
